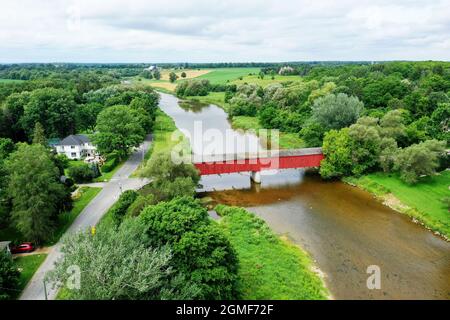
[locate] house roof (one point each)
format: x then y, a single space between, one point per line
74 139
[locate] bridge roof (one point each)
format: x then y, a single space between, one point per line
199 158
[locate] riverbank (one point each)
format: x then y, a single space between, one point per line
164 131
287 140
423 202
270 267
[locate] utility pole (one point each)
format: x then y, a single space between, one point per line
45 290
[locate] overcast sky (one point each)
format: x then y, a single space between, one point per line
227 30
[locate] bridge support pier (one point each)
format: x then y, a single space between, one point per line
256 176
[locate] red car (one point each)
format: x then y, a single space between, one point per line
22 248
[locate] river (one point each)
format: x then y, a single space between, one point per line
343 228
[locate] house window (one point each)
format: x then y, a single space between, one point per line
73 154
72 147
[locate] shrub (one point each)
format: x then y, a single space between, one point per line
119 266
419 159
200 248
119 210
81 173
193 88
139 204
9 276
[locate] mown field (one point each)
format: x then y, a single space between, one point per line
222 76
425 200
269 267
215 76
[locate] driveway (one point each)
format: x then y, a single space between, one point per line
89 217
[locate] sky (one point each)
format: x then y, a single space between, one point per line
223 31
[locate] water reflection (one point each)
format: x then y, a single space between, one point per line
208 129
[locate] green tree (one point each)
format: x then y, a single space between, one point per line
312 134
119 210
172 77
9 276
86 115
388 153
183 74
200 248
157 74
147 74
170 179
39 135
440 121
13 110
365 150
6 147
119 129
337 149
120 266
161 168
336 111
81 173
419 159
53 108
35 191
392 125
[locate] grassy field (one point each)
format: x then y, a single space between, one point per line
27 266
164 82
190 73
224 75
423 201
269 267
267 80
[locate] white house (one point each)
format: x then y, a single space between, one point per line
76 146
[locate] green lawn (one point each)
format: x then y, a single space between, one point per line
66 219
269 267
222 75
27 266
424 199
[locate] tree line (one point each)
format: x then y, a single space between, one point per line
414 97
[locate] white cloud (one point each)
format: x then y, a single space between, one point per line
213 30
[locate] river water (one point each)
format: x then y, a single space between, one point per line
343 228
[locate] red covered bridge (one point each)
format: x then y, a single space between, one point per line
257 162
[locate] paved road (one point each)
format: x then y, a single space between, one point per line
90 216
